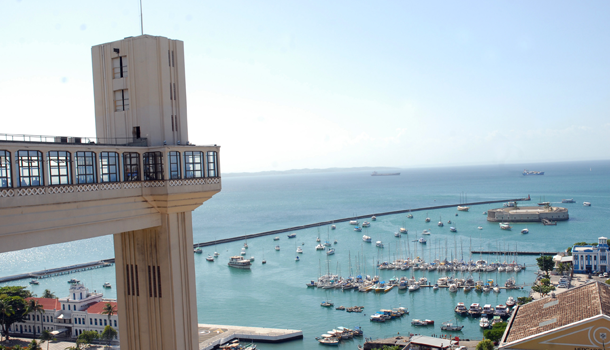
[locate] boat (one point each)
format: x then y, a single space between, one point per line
484 322
34 281
330 341
427 219
299 250
358 229
210 258
448 326
475 310
320 247
397 234
327 303
547 222
251 259
505 226
73 280
501 310
353 222
461 208
453 288
318 239
496 289
276 238
366 224
198 251
403 230
216 254
422 240
586 204
330 251
379 244
511 204
107 285
414 287
527 172
510 302
264 261
409 216
571 200
435 287
461 309
488 310
384 174
480 227
366 238
373 218
277 247
416 322
452 229
525 230
332 227
239 262
544 203
426 232
292 235
496 320
484 213
340 308
297 258
335 242
246 244
440 223
243 251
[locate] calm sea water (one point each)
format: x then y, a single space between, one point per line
274 295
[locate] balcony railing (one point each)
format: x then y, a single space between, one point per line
120 141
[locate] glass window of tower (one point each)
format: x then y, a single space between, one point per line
30 168
119 67
193 164
59 168
109 166
212 164
121 100
174 165
85 168
5 169
153 166
131 166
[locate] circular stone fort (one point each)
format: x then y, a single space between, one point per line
527 214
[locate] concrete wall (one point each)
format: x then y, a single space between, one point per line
527 214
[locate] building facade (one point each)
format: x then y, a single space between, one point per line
527 214
68 317
590 259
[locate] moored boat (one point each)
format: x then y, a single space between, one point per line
107 285
366 238
292 235
210 258
525 230
461 309
34 281
239 262
461 208
198 251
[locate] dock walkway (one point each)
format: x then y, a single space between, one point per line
211 336
59 270
367 216
512 253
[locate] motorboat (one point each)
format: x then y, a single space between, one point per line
327 303
216 254
403 230
488 310
353 222
198 251
414 287
501 310
320 247
461 309
461 208
335 242
311 284
475 310
107 285
467 288
484 322
426 232
397 234
525 230
299 250
276 238
416 322
496 320
366 238
264 261
448 326
449 222
480 227
277 247
366 224
318 239
378 244
34 281
505 226
453 288
332 227
571 200
409 216
358 229
292 235
330 341
239 262
377 318
73 280
243 251
496 289
435 287
586 204
422 240
427 220
330 251
510 302
373 218
297 258
452 229
251 259
210 258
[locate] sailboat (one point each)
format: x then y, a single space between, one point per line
264 261
427 218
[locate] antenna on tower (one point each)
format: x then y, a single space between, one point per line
141 19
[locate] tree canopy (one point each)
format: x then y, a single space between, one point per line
13 307
48 294
485 344
495 333
108 334
86 337
545 263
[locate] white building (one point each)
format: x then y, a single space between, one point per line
68 317
587 258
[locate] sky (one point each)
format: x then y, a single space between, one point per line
317 84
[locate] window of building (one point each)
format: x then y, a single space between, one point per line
174 165
5 169
193 164
63 307
153 166
85 168
115 323
131 166
119 67
96 321
91 321
109 166
30 168
213 164
105 322
121 100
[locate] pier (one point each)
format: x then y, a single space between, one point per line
512 253
211 336
367 216
59 270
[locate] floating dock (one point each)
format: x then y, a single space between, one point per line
512 253
211 336
368 216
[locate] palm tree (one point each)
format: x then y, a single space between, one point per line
35 307
109 310
48 294
6 310
46 336
34 345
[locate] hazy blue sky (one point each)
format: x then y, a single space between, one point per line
317 84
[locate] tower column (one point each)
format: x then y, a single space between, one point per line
155 272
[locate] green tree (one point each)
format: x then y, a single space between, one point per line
388 347
485 344
46 336
495 333
109 310
48 294
34 307
545 263
13 307
524 300
86 337
108 334
34 345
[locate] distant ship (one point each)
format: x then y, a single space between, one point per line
383 174
526 172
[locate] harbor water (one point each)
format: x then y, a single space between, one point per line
274 295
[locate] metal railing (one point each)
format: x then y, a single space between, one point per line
119 141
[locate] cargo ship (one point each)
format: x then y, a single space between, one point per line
383 174
526 172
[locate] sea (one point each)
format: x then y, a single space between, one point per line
275 295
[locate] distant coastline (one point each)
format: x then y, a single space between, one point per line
309 171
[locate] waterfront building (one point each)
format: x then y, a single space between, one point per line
139 180
588 258
578 318
68 317
527 214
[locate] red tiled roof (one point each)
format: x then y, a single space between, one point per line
47 303
571 306
98 308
